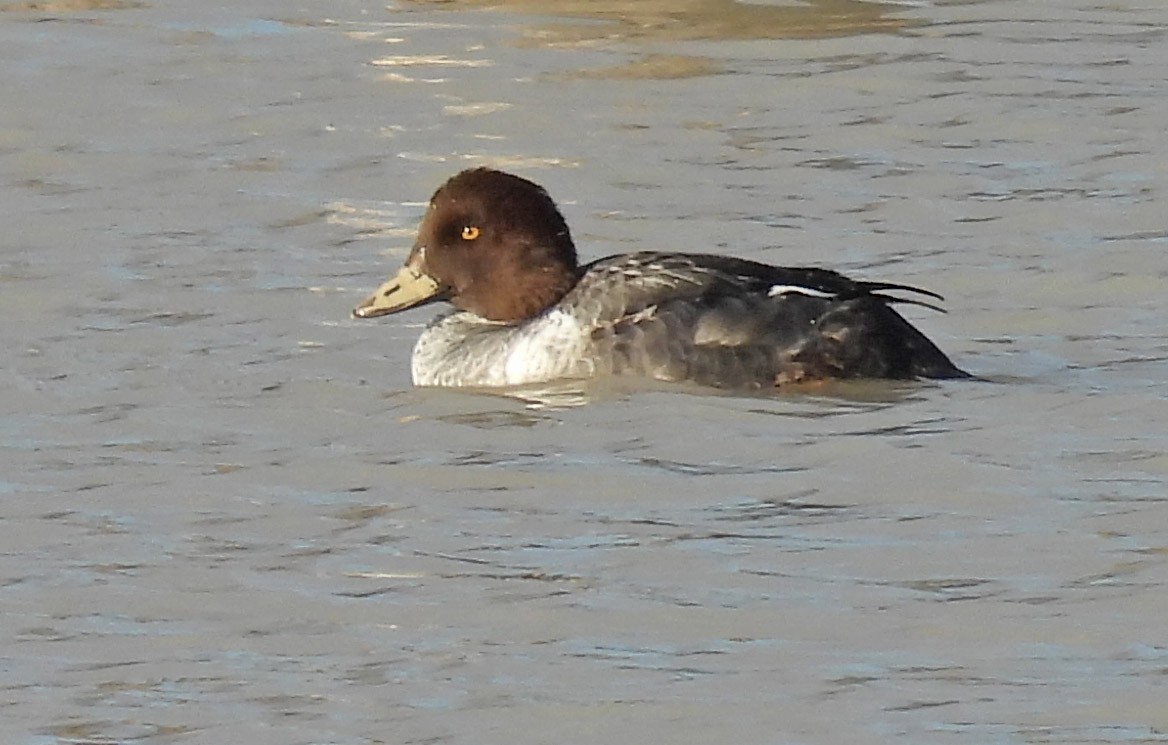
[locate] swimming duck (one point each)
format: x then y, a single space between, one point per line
496 247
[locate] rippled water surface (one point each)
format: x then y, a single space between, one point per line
226 516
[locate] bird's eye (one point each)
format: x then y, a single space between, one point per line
470 232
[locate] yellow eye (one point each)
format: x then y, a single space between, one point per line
470 232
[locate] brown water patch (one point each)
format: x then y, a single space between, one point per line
655 67
658 21
692 20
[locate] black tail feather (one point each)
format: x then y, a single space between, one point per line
871 287
865 337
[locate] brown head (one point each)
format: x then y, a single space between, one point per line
490 243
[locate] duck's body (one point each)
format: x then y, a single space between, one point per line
496 247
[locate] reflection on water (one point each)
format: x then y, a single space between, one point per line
818 398
663 21
693 20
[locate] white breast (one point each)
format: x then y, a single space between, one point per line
548 348
464 350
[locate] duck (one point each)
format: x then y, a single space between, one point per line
496 247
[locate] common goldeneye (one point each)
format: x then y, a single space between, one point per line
496 247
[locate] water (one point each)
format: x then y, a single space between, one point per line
228 518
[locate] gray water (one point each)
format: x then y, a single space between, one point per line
227 517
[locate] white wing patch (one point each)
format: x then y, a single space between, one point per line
777 290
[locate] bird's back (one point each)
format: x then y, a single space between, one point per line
734 323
